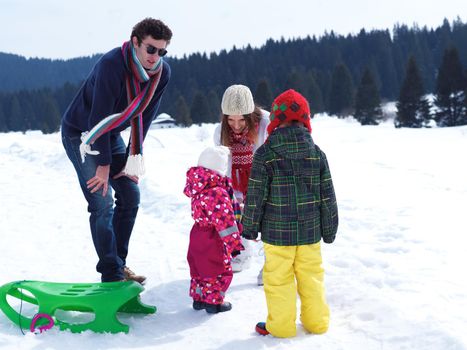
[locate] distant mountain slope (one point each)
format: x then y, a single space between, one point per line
18 73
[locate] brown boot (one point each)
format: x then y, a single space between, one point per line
131 276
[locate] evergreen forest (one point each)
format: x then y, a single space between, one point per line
424 70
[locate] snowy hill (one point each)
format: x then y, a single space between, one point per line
395 276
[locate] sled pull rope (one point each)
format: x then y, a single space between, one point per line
35 317
20 310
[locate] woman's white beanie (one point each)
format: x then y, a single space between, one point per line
237 100
215 158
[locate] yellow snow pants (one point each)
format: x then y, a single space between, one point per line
284 265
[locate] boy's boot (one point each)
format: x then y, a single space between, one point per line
261 328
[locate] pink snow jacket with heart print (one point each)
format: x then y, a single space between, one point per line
213 203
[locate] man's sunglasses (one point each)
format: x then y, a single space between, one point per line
151 50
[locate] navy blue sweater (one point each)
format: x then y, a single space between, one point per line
104 93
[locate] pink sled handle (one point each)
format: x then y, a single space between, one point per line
44 327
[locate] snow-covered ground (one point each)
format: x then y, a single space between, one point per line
395 276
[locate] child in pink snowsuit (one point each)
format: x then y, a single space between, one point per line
216 232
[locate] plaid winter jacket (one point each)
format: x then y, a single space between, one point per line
290 197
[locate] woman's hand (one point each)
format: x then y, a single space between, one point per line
100 180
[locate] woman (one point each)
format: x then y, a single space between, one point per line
243 130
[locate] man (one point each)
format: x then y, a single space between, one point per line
124 89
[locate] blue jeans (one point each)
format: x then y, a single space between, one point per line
111 226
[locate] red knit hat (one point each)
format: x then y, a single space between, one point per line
288 106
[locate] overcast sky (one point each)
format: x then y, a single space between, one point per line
67 29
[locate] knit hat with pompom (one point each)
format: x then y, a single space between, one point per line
288 106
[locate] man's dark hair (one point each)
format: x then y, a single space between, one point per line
153 27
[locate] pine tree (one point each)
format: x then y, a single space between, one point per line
295 80
324 81
15 120
214 106
315 96
464 118
424 112
182 113
368 103
450 90
342 91
199 110
50 120
64 95
3 126
413 109
263 95
28 110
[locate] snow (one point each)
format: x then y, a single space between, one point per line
394 275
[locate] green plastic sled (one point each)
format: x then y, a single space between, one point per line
102 299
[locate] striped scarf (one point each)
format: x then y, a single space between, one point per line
242 159
138 101
236 206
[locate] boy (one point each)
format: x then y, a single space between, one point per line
291 201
